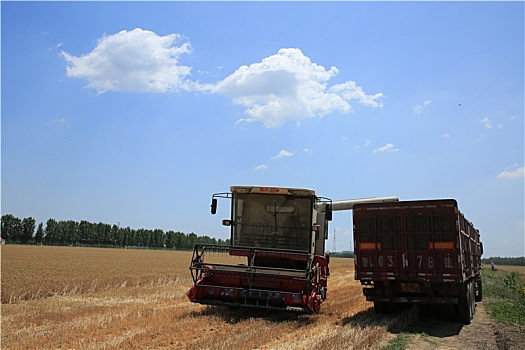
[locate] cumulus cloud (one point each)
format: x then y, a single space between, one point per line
517 173
137 60
419 108
389 147
282 154
261 167
285 87
288 86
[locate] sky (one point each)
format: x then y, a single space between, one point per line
135 113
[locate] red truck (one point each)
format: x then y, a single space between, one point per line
422 251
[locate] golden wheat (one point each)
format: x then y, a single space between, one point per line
113 299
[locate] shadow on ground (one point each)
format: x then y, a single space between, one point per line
235 315
411 319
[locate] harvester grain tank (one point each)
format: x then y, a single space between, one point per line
415 252
277 257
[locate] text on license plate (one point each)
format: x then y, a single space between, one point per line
410 287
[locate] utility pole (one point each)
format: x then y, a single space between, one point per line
334 248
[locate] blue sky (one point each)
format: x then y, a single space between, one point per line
136 113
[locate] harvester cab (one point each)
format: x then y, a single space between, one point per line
276 258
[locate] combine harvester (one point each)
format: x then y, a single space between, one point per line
277 257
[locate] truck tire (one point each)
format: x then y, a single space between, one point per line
380 307
479 290
465 301
472 298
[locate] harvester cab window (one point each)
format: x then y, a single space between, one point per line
272 221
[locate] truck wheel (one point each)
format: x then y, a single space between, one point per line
465 305
479 290
379 307
472 298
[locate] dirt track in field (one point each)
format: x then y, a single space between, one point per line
160 316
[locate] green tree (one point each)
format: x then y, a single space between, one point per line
170 239
117 235
191 239
50 231
86 232
28 229
11 228
71 234
179 240
158 238
39 236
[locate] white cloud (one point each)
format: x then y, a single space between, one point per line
285 87
446 136
487 123
517 173
282 154
386 148
419 108
137 60
261 167
308 150
289 87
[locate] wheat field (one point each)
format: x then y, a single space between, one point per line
89 298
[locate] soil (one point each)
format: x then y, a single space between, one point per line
483 333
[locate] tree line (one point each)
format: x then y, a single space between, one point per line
85 233
520 261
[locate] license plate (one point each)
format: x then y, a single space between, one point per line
410 287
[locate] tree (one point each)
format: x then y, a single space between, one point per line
39 236
86 232
117 235
51 231
191 240
179 240
71 232
28 229
170 239
11 227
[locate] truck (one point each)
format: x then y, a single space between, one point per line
276 258
418 252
